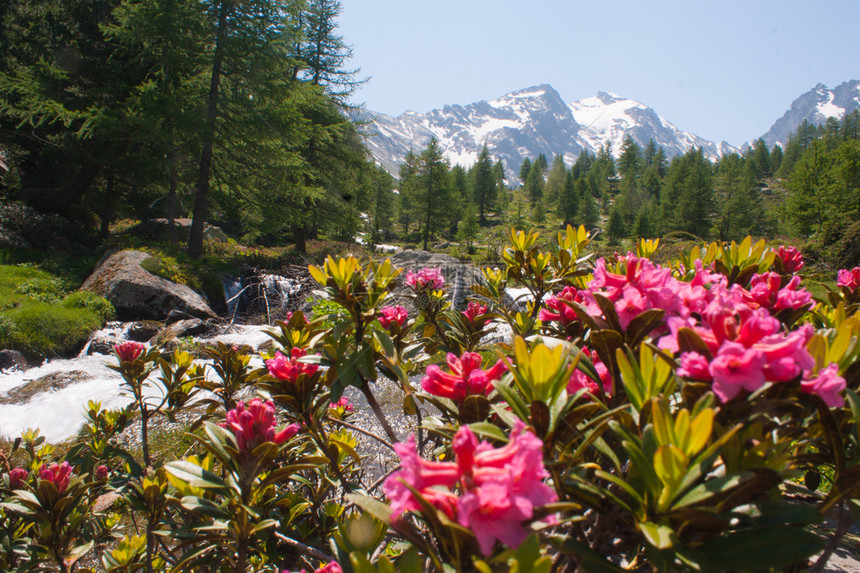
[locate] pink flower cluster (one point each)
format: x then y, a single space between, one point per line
766 292
17 477
102 473
792 261
426 277
848 279
828 386
474 310
256 425
579 380
393 315
748 348
557 311
342 403
465 379
643 286
499 488
128 351
289 369
57 474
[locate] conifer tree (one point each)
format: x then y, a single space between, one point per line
589 215
569 198
555 184
535 183
322 53
484 189
432 187
524 170
616 228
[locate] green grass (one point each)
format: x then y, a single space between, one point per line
38 316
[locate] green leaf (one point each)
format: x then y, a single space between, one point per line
202 506
660 536
770 548
377 509
79 551
708 489
486 429
194 475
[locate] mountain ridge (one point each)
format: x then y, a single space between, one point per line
527 122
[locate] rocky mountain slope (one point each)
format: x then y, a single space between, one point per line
815 106
525 123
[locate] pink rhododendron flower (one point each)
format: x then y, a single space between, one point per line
101 473
736 367
792 261
393 314
556 308
17 477
579 379
256 425
474 310
748 346
848 279
492 513
289 369
427 276
128 351
465 379
432 480
765 291
828 386
342 403
695 366
500 487
57 474
643 286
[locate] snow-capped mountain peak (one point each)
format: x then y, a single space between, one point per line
815 106
525 123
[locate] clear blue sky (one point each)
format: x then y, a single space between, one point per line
724 70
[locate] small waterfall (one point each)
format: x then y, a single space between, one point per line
279 290
255 292
232 290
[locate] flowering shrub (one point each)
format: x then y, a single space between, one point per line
392 315
499 488
651 415
465 379
256 425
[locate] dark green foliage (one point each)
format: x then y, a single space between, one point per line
535 183
127 108
484 186
616 228
686 199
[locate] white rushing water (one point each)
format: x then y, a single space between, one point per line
59 414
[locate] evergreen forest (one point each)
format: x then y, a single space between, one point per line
239 115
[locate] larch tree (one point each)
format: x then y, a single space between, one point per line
484 183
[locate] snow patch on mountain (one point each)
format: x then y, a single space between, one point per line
526 123
815 107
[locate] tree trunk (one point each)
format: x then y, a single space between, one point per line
201 197
107 209
300 238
